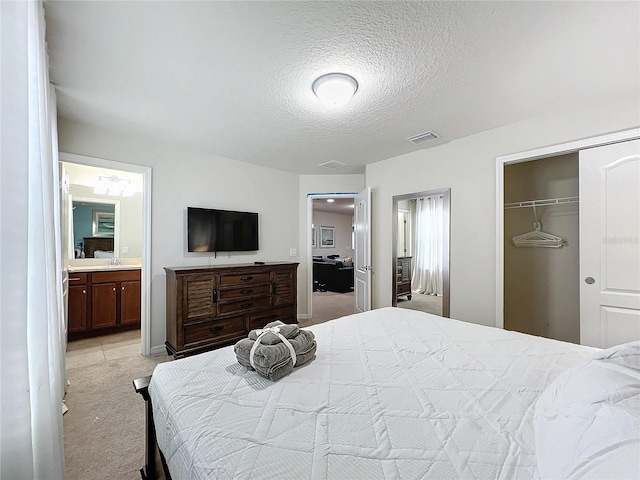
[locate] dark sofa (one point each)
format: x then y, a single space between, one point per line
332 275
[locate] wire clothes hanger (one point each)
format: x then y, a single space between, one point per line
538 238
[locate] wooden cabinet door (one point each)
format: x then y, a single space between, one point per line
284 286
77 301
103 305
129 302
199 297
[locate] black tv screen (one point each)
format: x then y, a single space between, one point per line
210 230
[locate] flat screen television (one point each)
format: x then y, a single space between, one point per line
210 230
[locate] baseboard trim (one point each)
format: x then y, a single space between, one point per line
303 316
157 349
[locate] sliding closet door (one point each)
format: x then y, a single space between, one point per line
609 244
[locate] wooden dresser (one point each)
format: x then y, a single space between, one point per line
102 302
212 306
403 277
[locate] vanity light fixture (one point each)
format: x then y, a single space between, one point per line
335 89
330 200
113 186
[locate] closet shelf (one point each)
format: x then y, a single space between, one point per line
541 203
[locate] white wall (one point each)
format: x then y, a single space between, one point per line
343 225
182 178
468 167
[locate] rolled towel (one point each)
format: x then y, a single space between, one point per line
280 369
286 330
274 361
268 356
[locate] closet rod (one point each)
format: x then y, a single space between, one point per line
540 203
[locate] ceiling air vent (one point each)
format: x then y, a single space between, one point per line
423 137
332 164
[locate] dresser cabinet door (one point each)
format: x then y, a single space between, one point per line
284 286
199 297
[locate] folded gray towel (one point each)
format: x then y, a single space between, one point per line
280 369
287 331
274 361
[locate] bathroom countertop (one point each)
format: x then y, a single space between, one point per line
101 268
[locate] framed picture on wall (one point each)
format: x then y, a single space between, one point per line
314 237
103 223
327 237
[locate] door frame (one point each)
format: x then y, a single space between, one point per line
145 273
310 198
527 156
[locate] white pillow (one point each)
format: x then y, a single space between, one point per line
587 421
103 254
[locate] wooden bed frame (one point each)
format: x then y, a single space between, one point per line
151 469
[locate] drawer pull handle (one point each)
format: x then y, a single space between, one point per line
216 329
246 279
247 291
74 278
246 305
214 295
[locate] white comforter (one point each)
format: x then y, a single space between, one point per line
392 393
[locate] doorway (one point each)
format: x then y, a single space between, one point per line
144 251
332 250
541 248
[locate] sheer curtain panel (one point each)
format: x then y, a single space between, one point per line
429 244
32 324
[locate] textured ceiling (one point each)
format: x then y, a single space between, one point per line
234 78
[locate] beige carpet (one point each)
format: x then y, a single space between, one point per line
104 427
330 305
424 303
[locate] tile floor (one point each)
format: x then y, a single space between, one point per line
91 351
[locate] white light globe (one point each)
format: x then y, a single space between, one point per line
335 89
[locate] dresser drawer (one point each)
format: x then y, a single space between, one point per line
244 278
115 276
260 319
77 278
245 291
217 330
243 305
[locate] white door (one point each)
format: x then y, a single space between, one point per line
66 242
362 260
609 244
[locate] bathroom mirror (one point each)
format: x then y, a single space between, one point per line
113 221
93 227
420 243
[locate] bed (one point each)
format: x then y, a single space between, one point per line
392 393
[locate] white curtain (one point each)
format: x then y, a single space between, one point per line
32 324
428 252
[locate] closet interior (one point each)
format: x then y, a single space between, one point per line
541 248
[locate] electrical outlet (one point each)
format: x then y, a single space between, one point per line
293 252
125 249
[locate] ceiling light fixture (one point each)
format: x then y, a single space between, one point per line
330 200
335 89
